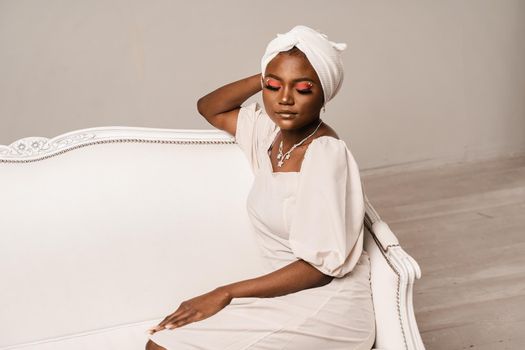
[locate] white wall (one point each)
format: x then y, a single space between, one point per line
431 81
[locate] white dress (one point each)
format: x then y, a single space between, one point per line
315 215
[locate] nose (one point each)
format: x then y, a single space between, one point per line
286 97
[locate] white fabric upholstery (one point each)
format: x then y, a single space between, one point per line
89 220
129 336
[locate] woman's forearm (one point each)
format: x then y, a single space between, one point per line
229 96
291 278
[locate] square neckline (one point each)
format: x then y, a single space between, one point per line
269 161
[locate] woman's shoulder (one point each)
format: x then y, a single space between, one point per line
328 146
327 130
326 135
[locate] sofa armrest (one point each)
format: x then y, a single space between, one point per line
393 275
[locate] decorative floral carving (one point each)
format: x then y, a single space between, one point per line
34 146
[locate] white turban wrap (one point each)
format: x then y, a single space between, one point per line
323 55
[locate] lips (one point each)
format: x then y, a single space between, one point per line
286 114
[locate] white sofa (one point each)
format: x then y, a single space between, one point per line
104 231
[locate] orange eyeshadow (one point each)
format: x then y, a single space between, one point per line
304 85
273 83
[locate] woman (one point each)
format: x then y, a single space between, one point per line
306 207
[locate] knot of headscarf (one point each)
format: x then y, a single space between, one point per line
324 56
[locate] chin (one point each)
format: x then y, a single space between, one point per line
283 121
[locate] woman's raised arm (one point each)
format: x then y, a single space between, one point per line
221 106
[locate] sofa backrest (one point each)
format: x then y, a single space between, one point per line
105 231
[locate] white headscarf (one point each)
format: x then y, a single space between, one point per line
323 55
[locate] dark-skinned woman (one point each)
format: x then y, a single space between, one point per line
306 206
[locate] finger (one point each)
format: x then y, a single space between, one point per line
163 321
182 322
170 316
161 324
179 315
179 318
172 320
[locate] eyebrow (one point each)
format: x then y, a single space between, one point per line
294 81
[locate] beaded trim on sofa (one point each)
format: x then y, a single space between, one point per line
31 149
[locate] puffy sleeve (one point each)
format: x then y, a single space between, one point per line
328 224
253 130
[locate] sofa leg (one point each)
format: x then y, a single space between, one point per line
153 346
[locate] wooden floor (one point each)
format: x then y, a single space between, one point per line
465 226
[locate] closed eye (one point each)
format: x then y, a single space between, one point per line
305 91
269 87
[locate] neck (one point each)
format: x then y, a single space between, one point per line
291 137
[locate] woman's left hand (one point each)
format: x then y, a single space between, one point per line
195 309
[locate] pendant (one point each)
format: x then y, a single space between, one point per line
281 157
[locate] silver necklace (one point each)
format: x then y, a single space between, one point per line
281 157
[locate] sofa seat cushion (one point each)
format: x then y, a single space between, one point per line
133 336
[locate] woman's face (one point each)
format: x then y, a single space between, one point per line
291 84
